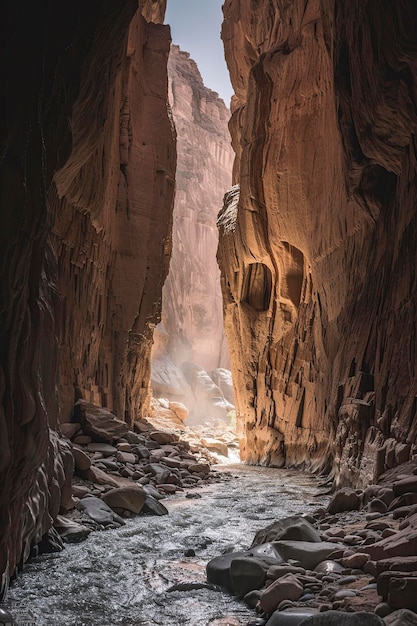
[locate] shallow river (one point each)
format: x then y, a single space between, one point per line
122 576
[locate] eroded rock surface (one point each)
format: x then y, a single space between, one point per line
83 250
318 250
192 321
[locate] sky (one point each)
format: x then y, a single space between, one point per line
195 28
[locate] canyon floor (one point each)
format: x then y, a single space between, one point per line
189 541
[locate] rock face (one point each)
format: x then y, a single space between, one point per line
87 171
318 252
192 320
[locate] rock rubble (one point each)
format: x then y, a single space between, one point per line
120 473
353 562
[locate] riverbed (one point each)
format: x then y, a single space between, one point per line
124 576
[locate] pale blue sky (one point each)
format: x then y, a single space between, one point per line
195 28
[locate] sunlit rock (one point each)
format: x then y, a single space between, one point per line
318 251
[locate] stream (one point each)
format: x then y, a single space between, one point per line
122 576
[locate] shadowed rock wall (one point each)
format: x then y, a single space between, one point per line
318 253
87 168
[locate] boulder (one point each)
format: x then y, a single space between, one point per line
308 553
199 468
130 498
99 511
295 528
218 569
285 588
247 574
99 421
345 499
71 531
290 617
152 506
215 445
405 485
163 437
81 459
180 410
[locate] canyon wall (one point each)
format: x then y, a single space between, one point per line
87 178
318 235
192 301
192 329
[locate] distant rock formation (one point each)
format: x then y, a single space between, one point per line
192 320
87 179
318 254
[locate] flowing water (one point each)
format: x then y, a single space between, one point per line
122 576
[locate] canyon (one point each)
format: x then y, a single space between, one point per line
317 245
189 354
317 235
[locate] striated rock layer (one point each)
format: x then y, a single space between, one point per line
87 169
192 303
318 252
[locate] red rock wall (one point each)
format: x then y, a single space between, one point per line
192 302
86 184
318 253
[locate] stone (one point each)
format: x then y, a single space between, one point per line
199 468
82 440
160 471
99 421
285 588
404 486
163 437
126 457
295 528
215 445
345 499
152 491
401 617
247 574
71 531
179 409
152 506
99 511
309 554
336 618
402 592
290 617
80 490
328 566
403 543
130 498
251 599
377 505
356 561
218 569
70 429
104 448
81 459
6 618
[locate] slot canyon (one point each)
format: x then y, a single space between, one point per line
115 163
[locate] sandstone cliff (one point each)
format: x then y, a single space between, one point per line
192 302
192 318
87 171
318 253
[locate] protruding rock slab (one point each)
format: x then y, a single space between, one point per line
99 421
